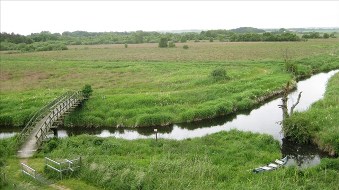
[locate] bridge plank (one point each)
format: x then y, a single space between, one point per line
41 124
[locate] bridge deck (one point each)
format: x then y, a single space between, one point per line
41 129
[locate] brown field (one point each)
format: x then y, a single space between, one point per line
198 51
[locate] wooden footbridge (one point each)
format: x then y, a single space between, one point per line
39 126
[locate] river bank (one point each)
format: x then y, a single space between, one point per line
319 124
223 160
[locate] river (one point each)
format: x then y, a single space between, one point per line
263 119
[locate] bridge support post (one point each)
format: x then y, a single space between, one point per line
55 132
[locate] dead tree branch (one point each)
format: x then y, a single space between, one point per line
294 105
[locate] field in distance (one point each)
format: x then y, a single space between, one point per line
197 51
144 85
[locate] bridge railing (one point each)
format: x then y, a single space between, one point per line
55 114
43 112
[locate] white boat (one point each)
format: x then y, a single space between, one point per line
271 166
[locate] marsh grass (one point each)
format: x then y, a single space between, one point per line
143 93
168 164
222 160
127 93
219 161
320 123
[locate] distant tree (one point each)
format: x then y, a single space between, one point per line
282 30
211 39
306 36
332 35
247 30
326 35
15 38
183 39
185 46
163 42
314 35
221 37
138 37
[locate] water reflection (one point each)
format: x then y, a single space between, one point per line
7 132
302 155
4 135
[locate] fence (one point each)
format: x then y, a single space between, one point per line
65 166
28 171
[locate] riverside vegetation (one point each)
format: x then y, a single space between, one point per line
320 123
144 85
220 161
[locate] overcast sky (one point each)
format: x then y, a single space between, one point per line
27 17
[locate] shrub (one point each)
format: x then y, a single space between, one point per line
87 91
326 35
211 39
51 145
332 35
126 45
219 74
171 44
298 128
163 43
291 67
185 47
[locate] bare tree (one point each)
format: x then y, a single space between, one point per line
284 100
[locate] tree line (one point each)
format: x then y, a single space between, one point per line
316 35
45 40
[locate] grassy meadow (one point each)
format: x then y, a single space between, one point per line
319 124
220 161
144 85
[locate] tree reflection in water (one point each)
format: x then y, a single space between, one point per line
302 155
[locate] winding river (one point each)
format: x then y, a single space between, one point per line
263 119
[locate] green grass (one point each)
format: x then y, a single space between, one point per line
144 85
138 94
142 91
220 161
320 123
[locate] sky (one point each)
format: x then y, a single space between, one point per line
26 17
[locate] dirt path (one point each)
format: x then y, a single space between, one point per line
59 187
